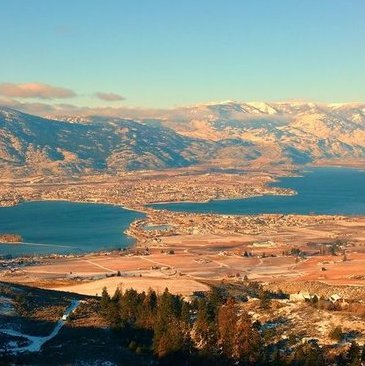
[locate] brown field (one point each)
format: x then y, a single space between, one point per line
196 259
175 285
205 247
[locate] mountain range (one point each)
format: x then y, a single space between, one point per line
225 135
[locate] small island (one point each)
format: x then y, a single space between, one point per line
9 238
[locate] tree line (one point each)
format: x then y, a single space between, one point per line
210 330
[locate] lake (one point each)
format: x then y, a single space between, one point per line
320 191
65 227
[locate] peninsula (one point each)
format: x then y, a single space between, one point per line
8 238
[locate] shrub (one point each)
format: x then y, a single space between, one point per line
336 333
133 346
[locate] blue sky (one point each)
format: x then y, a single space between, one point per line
164 53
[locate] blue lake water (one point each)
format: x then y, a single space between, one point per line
320 191
65 227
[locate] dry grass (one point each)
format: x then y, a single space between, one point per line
181 286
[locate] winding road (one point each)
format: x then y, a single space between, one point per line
36 343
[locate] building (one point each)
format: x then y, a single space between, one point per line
302 296
334 298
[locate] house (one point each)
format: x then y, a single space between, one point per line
302 296
264 244
296 297
334 298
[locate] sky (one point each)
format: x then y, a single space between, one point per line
168 53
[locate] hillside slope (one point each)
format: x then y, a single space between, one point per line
300 132
227 134
31 145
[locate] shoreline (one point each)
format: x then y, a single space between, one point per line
146 206
150 212
79 201
136 239
223 199
339 166
64 255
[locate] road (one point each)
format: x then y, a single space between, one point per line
36 343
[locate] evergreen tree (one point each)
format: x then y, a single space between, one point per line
168 336
205 328
104 302
336 333
185 314
129 306
309 354
227 320
353 356
264 299
113 315
151 300
274 358
247 341
147 315
117 295
217 297
362 358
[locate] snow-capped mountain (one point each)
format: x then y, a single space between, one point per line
225 134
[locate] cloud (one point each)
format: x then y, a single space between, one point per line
65 110
35 90
109 97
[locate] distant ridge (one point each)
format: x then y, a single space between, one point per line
225 134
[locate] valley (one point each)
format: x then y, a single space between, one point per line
311 249
182 183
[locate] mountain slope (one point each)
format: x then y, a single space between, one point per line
302 132
32 145
227 134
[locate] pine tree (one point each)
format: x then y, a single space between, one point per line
205 328
274 358
264 299
147 315
168 335
113 315
353 356
104 302
227 320
151 300
309 354
185 314
171 304
129 306
117 295
217 297
247 342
